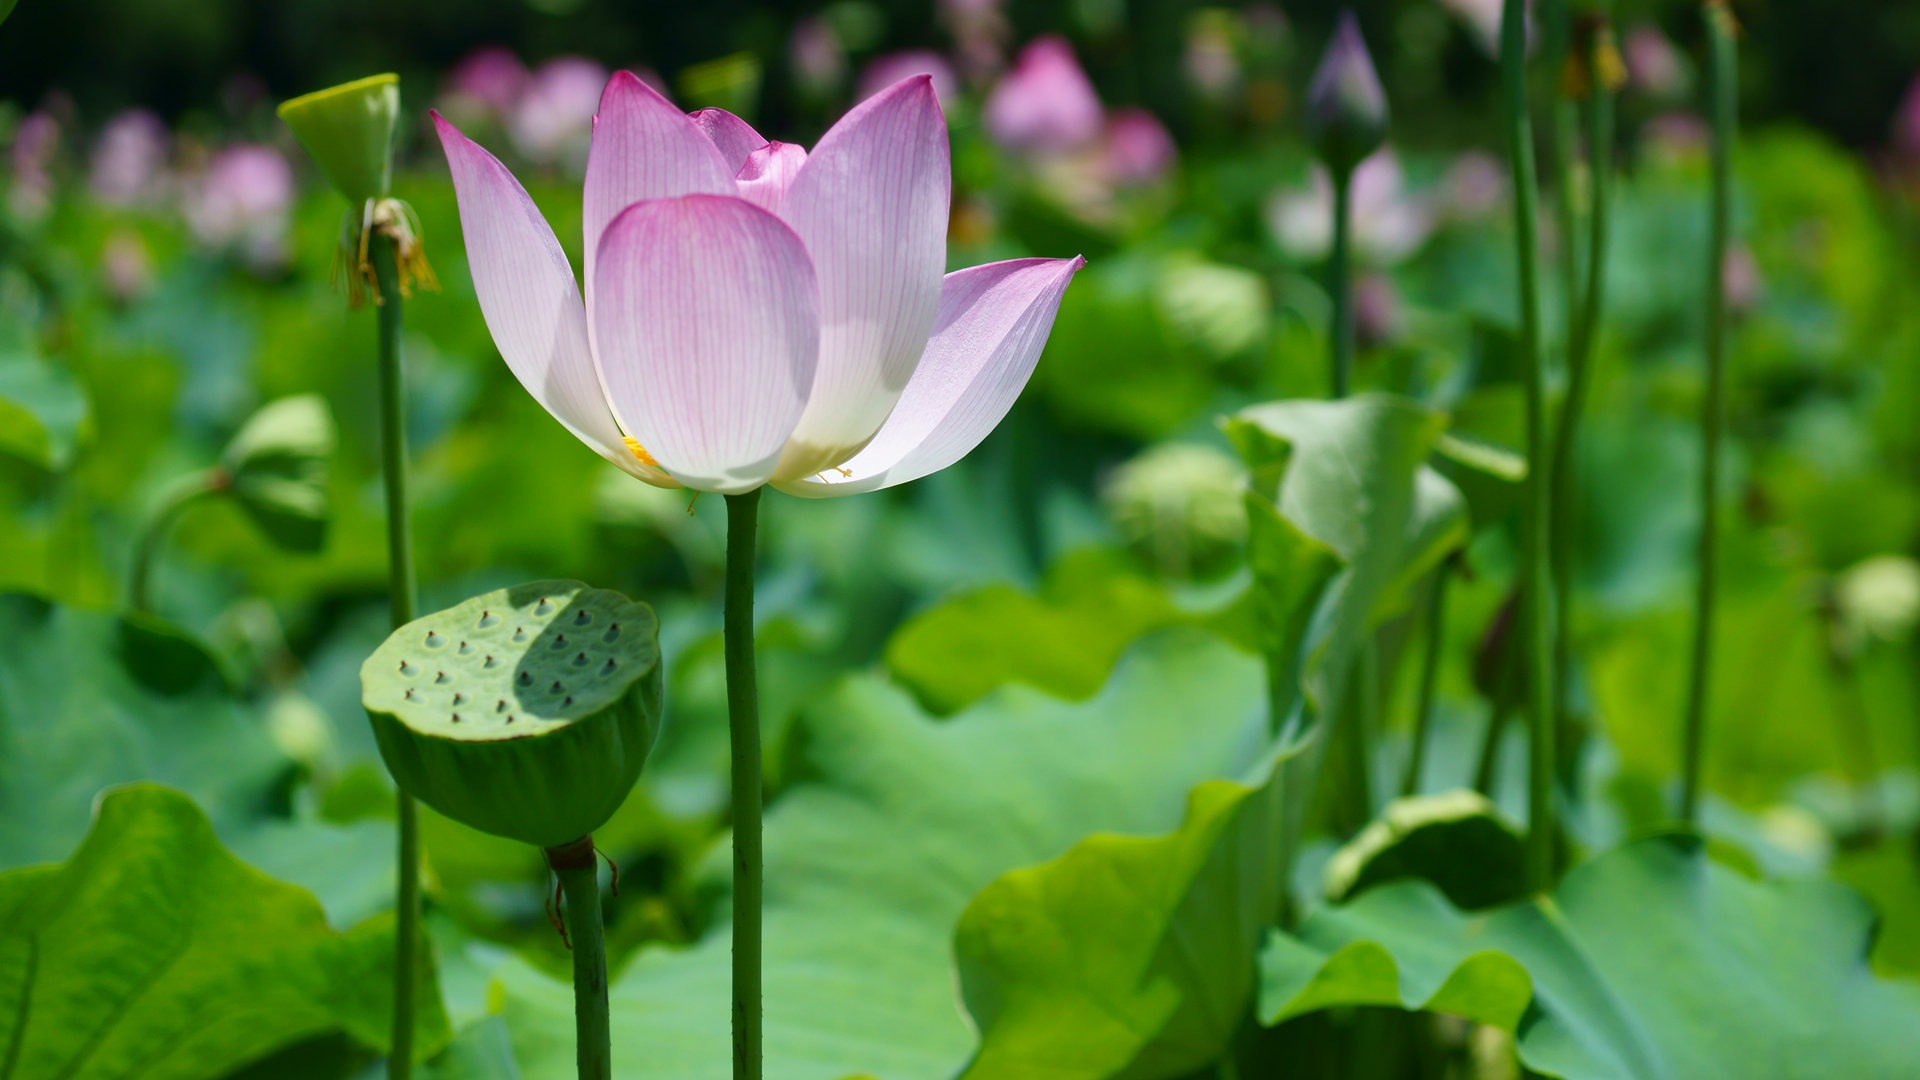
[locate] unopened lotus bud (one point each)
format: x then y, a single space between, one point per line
1180 506
348 129
1346 107
276 469
525 712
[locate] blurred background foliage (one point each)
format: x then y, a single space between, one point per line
164 260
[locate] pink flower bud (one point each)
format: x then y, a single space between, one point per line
1045 105
553 119
1136 148
130 160
890 68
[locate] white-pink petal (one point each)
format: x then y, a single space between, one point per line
643 148
768 172
529 299
993 323
732 136
706 329
871 204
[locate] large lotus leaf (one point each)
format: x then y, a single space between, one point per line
154 953
1127 956
89 700
43 411
1651 962
1064 640
892 823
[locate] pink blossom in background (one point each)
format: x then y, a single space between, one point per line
130 160
1046 105
486 82
754 313
1135 148
1675 136
1654 66
553 119
1475 186
1377 310
1389 222
1906 122
1211 56
818 60
35 143
1740 280
890 68
241 202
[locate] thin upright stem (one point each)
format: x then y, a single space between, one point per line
743 720
146 548
402 601
1720 80
1340 283
1598 110
1429 677
1556 21
579 876
1534 595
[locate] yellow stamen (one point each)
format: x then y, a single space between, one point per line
641 452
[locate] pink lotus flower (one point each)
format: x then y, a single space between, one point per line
243 201
1654 66
1045 105
486 82
814 52
1135 148
553 119
754 313
1389 222
130 160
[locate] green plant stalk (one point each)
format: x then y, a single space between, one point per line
1598 110
173 502
1429 677
743 720
1340 284
402 592
1556 22
593 1039
1721 71
1534 589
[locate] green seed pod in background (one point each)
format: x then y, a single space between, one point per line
348 129
1179 506
525 712
1346 107
276 469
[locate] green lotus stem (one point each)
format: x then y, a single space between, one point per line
1340 283
1487 767
743 721
1556 25
574 864
1721 60
401 600
1429 676
172 503
1598 111
1535 615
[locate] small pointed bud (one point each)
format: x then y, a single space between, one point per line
1346 106
277 470
349 131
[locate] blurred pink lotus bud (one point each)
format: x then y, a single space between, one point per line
35 142
241 203
1135 148
1377 310
1346 107
130 160
1045 105
487 81
1475 186
819 62
1654 66
126 267
553 119
1740 280
890 68
1906 123
1389 223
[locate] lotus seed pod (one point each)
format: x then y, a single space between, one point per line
348 129
524 712
1346 107
277 470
